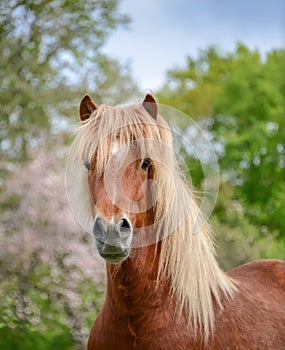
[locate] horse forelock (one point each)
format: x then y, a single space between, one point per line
121 125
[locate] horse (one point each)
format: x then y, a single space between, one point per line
165 289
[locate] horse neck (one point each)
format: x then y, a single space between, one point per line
134 281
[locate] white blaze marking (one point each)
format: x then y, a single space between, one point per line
115 147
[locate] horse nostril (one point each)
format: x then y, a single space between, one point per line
125 224
125 232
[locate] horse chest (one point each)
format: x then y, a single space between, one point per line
149 327
140 323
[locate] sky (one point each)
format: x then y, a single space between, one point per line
164 32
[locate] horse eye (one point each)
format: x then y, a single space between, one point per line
145 164
87 164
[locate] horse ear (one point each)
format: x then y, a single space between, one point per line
150 105
87 107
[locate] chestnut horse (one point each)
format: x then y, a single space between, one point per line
165 290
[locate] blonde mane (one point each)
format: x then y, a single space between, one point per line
187 255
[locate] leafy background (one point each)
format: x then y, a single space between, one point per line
52 281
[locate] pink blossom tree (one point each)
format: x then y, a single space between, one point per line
51 275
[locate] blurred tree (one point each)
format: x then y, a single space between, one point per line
193 89
249 120
239 98
51 53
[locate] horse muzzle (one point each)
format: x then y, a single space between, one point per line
113 240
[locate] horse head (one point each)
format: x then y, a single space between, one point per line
120 160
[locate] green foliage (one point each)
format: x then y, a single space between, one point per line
240 97
20 339
249 119
10 202
239 240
